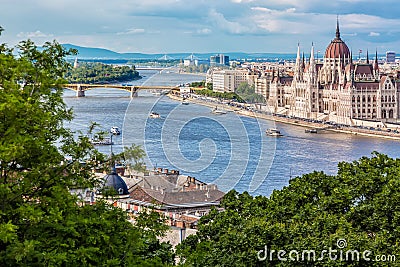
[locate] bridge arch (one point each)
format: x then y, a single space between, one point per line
133 89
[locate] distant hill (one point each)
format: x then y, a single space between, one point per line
101 53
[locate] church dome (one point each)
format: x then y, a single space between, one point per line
114 181
337 48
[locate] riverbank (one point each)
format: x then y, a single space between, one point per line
293 121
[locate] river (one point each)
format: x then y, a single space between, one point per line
229 150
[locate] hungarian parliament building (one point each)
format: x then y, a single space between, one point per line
336 88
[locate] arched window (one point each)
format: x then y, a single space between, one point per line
390 113
369 99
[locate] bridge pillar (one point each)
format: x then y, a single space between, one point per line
134 92
80 92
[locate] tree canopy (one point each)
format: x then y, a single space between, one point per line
41 222
247 93
357 209
101 73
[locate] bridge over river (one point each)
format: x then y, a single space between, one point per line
133 89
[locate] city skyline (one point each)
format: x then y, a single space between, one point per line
173 26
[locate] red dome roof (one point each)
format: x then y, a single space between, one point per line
337 48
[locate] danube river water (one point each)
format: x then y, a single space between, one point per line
229 150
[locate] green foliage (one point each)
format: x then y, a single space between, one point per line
247 93
101 73
359 204
225 95
41 222
201 84
132 157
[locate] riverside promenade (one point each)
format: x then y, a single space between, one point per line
382 133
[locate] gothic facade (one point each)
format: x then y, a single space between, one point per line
338 88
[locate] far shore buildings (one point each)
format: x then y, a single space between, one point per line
337 89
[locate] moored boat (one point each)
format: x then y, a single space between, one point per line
101 142
218 111
311 131
273 132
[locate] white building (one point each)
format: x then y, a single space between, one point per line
229 80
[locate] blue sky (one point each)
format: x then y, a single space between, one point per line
167 26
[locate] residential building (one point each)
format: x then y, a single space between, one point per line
229 80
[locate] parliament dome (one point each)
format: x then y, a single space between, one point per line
337 48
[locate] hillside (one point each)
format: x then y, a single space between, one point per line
101 53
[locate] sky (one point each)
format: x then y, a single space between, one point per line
199 26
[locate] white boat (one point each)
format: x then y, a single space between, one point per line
115 130
218 111
101 142
273 132
185 102
154 115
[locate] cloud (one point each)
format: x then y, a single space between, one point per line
36 34
233 27
349 34
242 1
222 24
131 31
204 31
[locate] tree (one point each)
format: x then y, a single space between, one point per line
357 209
133 153
247 93
99 72
41 222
